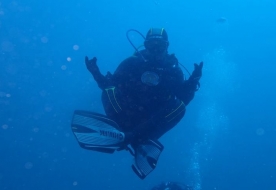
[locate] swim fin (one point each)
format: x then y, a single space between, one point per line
146 157
96 132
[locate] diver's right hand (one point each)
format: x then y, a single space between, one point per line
91 64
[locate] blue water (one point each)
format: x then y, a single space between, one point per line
226 140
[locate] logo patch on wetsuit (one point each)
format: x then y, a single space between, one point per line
150 78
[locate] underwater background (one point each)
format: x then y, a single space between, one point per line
227 138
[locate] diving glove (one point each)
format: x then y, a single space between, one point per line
91 64
197 73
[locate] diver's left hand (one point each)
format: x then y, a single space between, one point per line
197 73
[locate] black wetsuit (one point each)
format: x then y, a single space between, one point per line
147 98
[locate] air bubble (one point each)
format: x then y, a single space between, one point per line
29 165
44 40
63 67
5 126
76 47
260 131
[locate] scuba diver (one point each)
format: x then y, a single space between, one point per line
172 186
143 99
